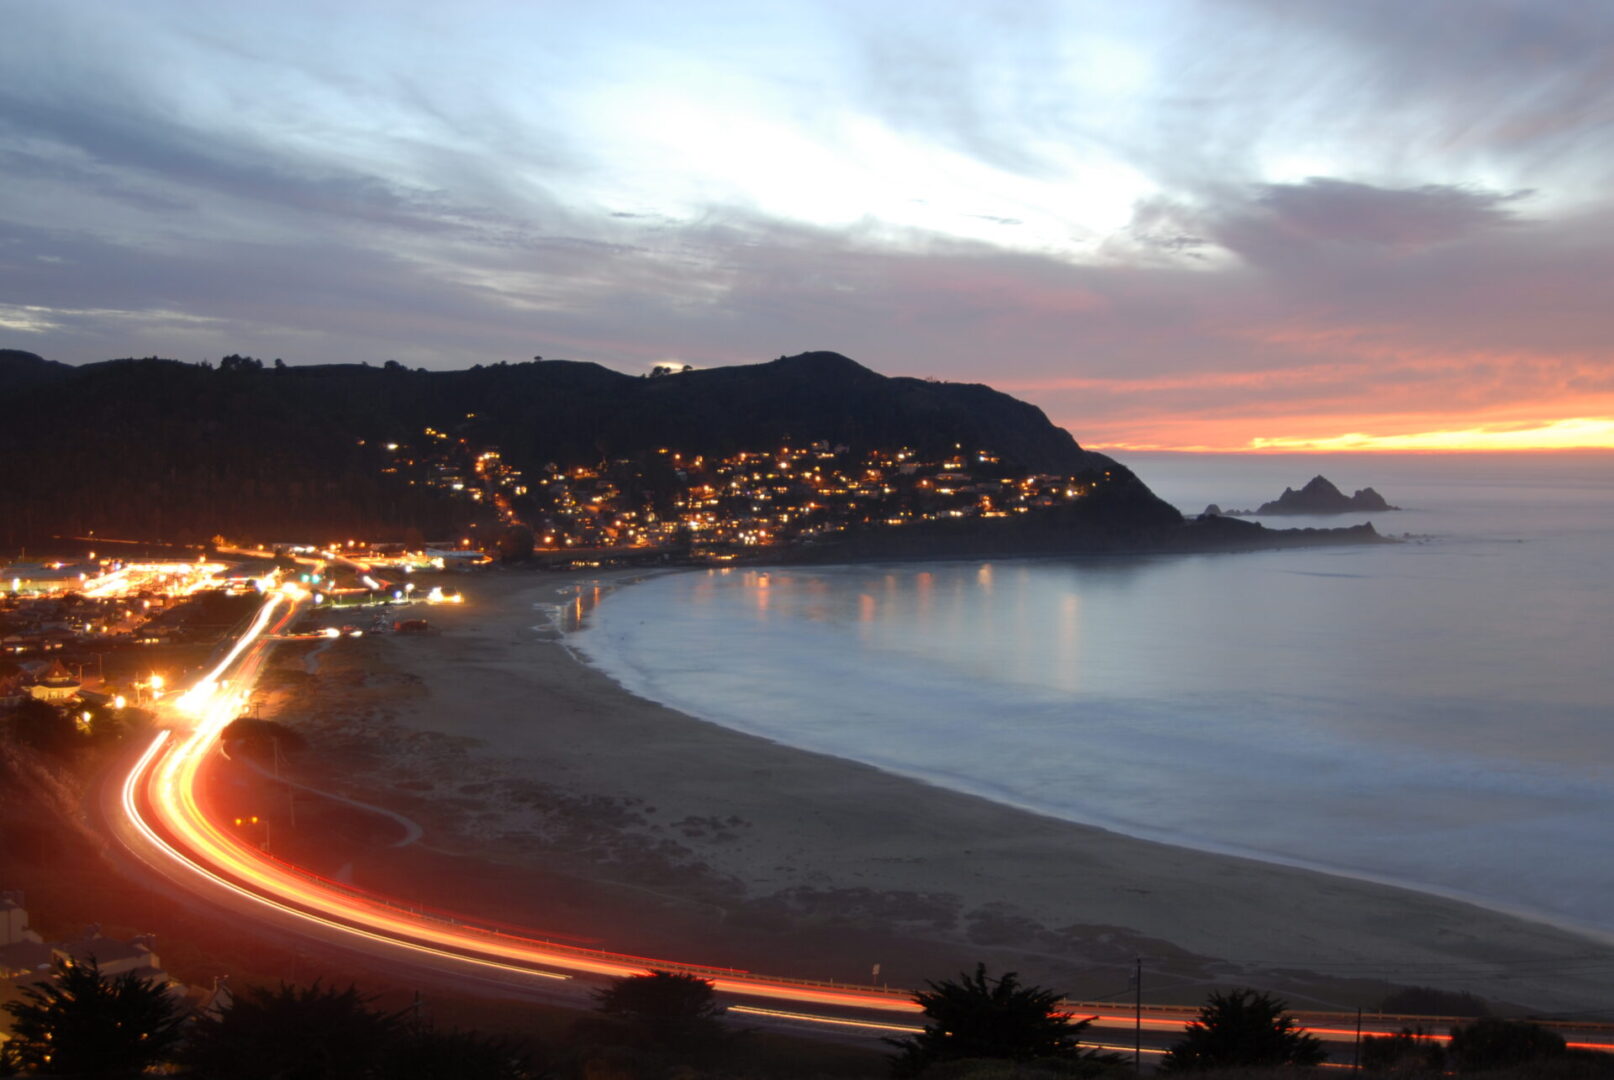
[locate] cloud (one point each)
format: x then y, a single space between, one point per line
1326 211
1245 216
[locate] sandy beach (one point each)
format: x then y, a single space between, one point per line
551 798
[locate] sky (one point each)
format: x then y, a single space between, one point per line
1171 224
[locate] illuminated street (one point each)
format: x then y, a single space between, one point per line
164 822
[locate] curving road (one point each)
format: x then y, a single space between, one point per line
162 821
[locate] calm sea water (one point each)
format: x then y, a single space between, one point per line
1437 713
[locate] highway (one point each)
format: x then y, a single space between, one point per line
161 819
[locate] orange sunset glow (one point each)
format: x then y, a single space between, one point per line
1362 398
1578 433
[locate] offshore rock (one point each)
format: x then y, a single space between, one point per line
1320 496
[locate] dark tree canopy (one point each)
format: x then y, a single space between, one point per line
1410 1050
316 1033
978 1016
43 727
262 735
79 1023
429 1054
663 1008
1429 1001
516 543
1243 1029
310 1033
1491 1043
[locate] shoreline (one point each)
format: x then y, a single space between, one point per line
955 784
782 838
1598 934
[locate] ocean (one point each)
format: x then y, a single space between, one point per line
1437 713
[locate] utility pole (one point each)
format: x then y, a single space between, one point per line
1137 1016
1356 1048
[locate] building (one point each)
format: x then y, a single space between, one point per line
22 951
55 685
115 957
26 959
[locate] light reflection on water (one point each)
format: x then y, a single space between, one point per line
1433 712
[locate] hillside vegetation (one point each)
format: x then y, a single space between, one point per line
162 450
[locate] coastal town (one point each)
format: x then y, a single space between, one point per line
713 507
98 636
72 626
97 652
65 619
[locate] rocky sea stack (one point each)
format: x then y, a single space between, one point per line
1320 496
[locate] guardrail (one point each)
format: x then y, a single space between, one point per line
1185 1012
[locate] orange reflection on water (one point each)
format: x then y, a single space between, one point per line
1068 644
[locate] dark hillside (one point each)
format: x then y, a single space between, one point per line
824 395
20 370
161 450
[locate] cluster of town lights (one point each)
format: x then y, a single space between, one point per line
753 498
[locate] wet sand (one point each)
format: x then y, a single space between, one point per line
551 797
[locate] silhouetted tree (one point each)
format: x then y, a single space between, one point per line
455 1055
79 1023
663 1008
1491 1043
105 725
306 1033
1429 1001
1242 1029
516 544
261 736
41 726
1410 1050
981 1017
235 363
